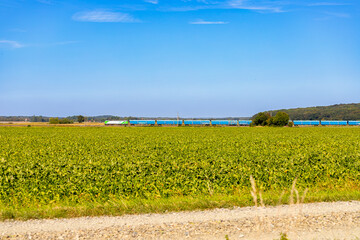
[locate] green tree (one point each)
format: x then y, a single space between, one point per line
37 119
54 120
81 119
261 119
281 119
66 121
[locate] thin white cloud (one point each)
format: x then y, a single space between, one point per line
15 44
152 1
338 14
207 22
11 44
104 16
241 4
318 4
262 7
184 8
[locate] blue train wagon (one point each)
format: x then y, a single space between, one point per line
142 122
245 122
224 122
306 123
354 123
169 122
196 122
334 123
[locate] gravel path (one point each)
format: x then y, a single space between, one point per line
338 220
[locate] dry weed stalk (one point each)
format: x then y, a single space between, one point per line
291 202
299 199
304 195
261 199
210 189
281 196
297 196
253 191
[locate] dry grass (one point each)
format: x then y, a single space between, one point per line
291 200
253 190
299 200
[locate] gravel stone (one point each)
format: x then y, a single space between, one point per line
337 220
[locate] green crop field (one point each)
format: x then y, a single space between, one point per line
67 172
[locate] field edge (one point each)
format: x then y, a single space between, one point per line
119 207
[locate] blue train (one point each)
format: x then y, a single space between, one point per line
325 123
354 123
306 123
197 122
225 123
181 122
142 122
169 122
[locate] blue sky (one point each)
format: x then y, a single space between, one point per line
198 58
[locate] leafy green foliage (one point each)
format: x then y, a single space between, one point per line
54 120
81 165
80 119
261 119
65 121
60 121
38 119
281 119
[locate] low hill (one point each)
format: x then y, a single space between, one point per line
333 112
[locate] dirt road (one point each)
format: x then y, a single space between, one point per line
340 220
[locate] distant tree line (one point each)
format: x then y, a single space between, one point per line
54 120
24 118
60 121
73 118
334 112
101 118
79 119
